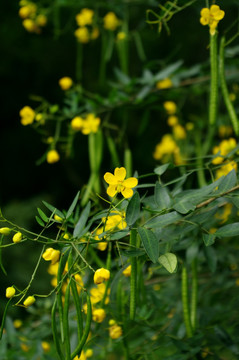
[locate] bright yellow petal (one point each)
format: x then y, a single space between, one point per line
205 12
120 173
111 190
130 182
214 9
204 21
219 15
127 193
110 179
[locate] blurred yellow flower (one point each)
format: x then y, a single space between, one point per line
172 120
90 124
17 323
115 331
127 271
224 148
45 346
82 35
85 17
121 35
52 156
164 84
51 255
179 132
41 20
101 275
98 315
118 184
65 83
77 123
27 115
170 107
224 131
111 22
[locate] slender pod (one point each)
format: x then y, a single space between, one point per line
230 108
82 342
194 295
214 80
66 322
186 314
133 277
54 331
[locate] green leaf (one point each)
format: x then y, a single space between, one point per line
161 196
73 205
53 209
42 215
228 230
208 239
211 257
119 235
169 262
163 220
78 230
161 169
228 182
184 206
133 209
39 221
150 243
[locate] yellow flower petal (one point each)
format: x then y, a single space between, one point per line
214 9
111 190
204 21
127 193
120 173
130 182
110 178
219 15
205 12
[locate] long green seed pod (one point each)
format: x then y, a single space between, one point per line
54 331
185 302
230 108
194 295
66 322
214 80
78 349
133 277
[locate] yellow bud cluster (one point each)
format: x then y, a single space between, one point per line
86 126
33 19
86 30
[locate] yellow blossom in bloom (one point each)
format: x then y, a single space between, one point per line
224 131
178 160
89 353
189 126
82 35
97 293
115 331
41 20
17 323
58 218
90 124
127 271
82 356
51 255
27 10
211 17
85 17
121 35
167 146
224 148
111 22
224 215
5 231
54 281
65 83
170 107
98 315
77 123
52 156
172 120
226 168
29 25
179 132
29 301
53 269
102 245
115 220
164 84
118 184
27 115
101 275
17 237
112 322
45 346
10 292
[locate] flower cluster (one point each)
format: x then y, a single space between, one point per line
33 19
118 184
111 22
115 331
211 17
87 125
86 30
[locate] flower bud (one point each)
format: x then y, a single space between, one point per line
51 255
29 301
101 275
10 292
17 237
5 231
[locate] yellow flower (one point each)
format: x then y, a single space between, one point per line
58 218
10 292
5 231
27 115
189 126
52 156
167 146
127 271
29 301
82 356
179 132
82 35
95 33
178 160
115 331
65 83
224 215
45 346
121 35
51 255
27 10
102 245
17 323
97 293
170 107
85 17
164 84
118 184
79 282
101 275
77 123
224 148
89 353
224 131
90 124
172 120
211 17
25 347
111 22
98 315
41 20
53 269
226 168
17 237
29 25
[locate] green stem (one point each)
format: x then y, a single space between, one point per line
66 322
128 162
113 152
79 61
185 302
200 171
133 277
194 295
54 331
230 108
214 80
